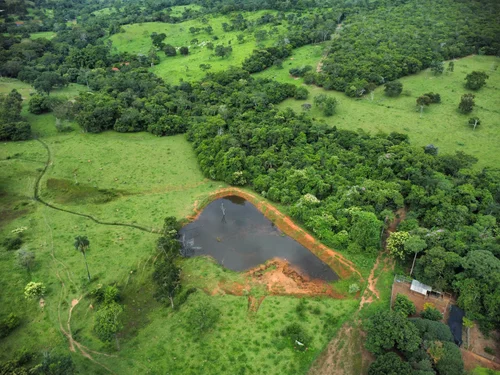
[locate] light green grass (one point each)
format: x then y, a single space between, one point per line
177 10
306 55
25 89
484 371
43 34
136 39
441 124
104 12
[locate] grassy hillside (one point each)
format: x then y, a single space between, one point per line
136 39
441 124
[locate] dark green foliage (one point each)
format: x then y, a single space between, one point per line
158 39
12 126
57 364
202 316
300 72
299 338
167 277
389 364
169 50
404 306
437 67
301 93
184 51
13 243
9 324
393 88
326 103
223 51
475 80
107 321
474 122
373 47
431 313
467 103
430 330
387 330
435 98
48 81
451 363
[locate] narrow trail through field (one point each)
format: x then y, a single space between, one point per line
36 196
345 354
64 296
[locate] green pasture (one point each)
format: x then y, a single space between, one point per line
26 90
136 39
43 34
441 124
484 371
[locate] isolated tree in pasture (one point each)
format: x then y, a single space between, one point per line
184 50
222 51
474 121
169 50
437 67
423 101
467 103
240 38
301 93
205 67
158 39
451 67
393 88
81 244
475 80
209 29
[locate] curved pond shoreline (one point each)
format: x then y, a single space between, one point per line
342 266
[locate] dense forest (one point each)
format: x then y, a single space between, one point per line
344 186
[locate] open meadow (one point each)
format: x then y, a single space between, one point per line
136 39
133 179
441 124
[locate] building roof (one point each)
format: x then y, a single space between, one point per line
418 287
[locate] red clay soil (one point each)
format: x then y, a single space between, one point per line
342 267
279 279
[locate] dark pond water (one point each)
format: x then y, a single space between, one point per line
243 238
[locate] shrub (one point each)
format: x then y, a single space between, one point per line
431 313
13 243
389 363
34 290
489 350
9 324
106 321
202 317
297 335
404 306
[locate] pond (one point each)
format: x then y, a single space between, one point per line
240 237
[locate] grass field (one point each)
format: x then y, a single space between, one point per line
43 34
441 124
136 39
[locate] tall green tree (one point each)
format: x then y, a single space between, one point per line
82 244
475 80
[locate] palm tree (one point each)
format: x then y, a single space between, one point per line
82 243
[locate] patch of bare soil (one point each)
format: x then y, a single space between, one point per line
345 354
473 360
279 279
